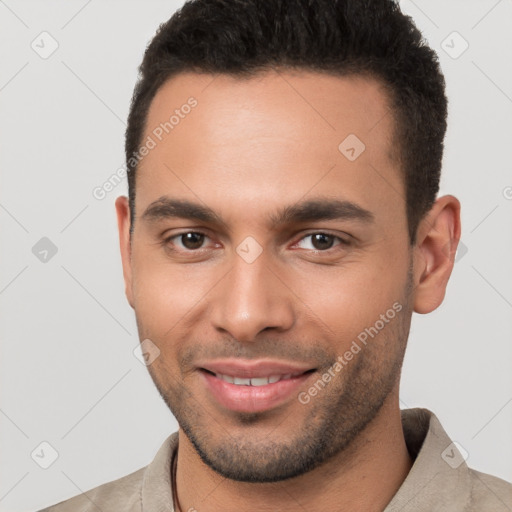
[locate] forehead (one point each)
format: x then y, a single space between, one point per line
313 102
277 135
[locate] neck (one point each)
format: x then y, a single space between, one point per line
364 477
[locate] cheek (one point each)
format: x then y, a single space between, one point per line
344 301
165 293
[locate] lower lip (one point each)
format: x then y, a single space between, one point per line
252 398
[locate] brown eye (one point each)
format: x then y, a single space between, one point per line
192 240
322 241
188 241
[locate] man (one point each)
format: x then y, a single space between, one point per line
281 228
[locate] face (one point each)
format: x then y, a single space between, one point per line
270 265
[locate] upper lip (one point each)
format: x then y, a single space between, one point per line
253 369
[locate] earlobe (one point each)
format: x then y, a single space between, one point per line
123 224
434 253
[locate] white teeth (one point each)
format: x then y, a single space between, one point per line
259 381
243 382
255 381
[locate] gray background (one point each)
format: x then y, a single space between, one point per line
68 372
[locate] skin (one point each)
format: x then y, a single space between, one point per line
249 148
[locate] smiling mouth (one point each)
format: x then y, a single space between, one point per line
256 381
253 390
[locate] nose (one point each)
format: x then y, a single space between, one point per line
250 299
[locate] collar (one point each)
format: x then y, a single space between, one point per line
439 477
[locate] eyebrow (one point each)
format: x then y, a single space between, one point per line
306 211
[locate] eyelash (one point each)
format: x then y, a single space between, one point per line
343 242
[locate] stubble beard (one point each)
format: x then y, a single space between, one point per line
332 421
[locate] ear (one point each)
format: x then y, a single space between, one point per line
437 239
123 224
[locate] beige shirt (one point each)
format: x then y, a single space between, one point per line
439 479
